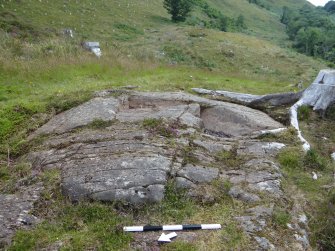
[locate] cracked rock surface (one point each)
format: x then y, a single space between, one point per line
15 212
131 161
128 163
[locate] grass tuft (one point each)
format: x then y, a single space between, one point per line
176 204
230 158
100 124
281 218
314 161
187 153
324 224
304 113
162 128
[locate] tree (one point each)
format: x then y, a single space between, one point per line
179 9
285 16
308 39
239 23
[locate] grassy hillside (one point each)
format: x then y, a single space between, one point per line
102 19
89 19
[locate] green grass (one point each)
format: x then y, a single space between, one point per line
52 73
32 92
180 246
323 225
79 227
175 207
288 136
314 161
318 195
100 124
291 158
95 20
99 226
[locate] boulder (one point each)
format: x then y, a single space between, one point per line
93 47
96 109
242 195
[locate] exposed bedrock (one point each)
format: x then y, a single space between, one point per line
129 148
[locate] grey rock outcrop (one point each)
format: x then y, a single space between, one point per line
180 142
119 163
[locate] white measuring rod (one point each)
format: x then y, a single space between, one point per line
172 227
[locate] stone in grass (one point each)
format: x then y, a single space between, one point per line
93 47
261 211
183 183
264 243
198 174
249 225
240 194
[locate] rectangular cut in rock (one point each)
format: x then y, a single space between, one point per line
239 120
236 121
132 115
113 176
135 195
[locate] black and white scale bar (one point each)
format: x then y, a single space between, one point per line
172 228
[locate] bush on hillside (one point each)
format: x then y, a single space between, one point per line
179 9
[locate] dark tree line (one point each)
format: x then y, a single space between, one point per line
330 7
312 30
